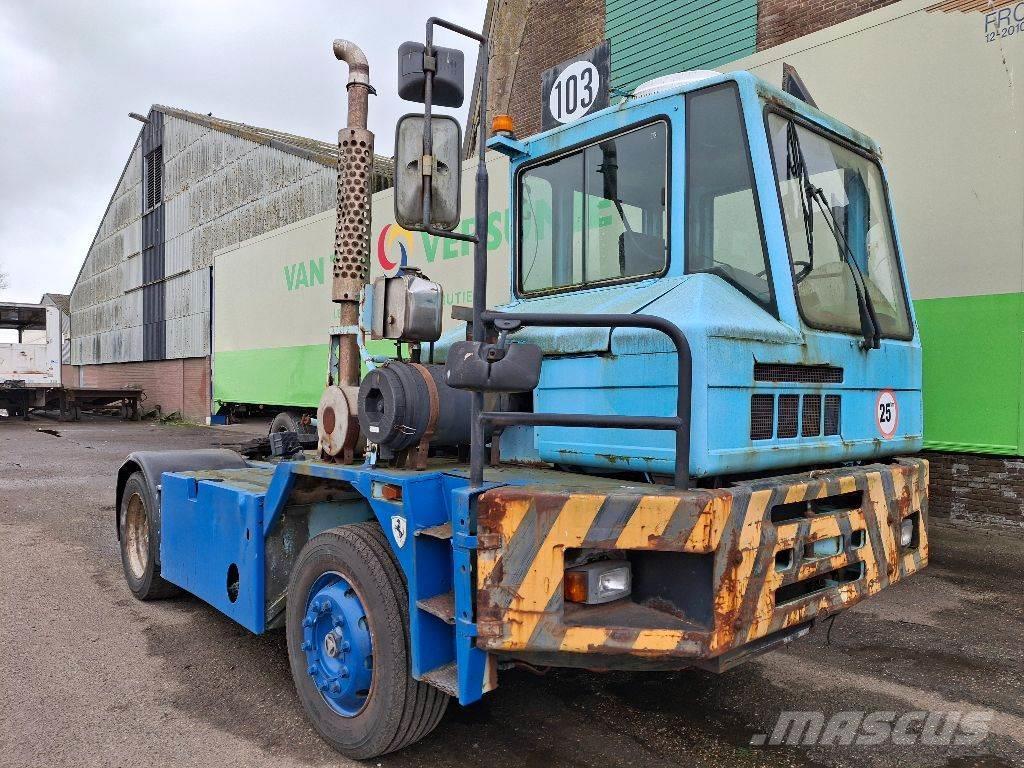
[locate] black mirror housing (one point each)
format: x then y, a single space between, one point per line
449 75
482 367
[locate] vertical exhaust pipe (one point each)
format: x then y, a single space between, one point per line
337 420
352 231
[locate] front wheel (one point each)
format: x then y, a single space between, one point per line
348 645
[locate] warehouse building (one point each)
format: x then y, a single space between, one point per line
193 184
934 84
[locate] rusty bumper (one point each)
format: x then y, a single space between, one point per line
716 573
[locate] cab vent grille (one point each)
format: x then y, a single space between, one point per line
789 407
798 374
810 419
762 417
832 425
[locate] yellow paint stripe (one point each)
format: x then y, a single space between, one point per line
876 492
582 639
736 579
650 518
658 639
515 511
796 493
545 573
707 532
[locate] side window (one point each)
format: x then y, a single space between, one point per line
596 215
551 225
723 235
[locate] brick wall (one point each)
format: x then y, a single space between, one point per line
69 375
971 487
554 31
181 386
781 20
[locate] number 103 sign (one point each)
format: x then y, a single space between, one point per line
575 88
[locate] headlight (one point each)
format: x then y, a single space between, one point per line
906 532
599 582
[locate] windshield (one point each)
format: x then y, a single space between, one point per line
849 219
596 215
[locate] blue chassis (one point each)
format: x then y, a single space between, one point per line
211 520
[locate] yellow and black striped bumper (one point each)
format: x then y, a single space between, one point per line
752 561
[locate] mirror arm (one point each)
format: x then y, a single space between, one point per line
443 233
479 238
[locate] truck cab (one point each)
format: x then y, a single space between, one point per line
758 225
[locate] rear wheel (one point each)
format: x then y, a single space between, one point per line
138 537
348 627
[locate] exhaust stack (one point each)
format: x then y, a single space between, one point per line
337 422
352 231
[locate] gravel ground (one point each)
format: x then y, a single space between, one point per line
91 677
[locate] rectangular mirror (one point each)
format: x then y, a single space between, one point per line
445 177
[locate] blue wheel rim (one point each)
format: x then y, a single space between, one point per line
338 644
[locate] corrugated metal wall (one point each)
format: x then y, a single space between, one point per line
650 38
218 189
103 323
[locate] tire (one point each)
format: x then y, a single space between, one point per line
137 536
289 421
396 710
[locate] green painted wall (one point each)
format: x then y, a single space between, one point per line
650 38
972 372
295 375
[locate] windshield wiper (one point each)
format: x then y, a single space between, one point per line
796 167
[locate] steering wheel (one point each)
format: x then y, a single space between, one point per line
803 270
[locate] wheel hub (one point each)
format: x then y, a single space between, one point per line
136 534
338 644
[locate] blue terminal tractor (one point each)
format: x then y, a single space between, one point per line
688 438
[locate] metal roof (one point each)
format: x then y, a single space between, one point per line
323 152
61 301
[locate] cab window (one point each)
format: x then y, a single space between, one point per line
723 231
596 215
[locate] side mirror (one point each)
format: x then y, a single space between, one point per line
449 64
484 367
445 177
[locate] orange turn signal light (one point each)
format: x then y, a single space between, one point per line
502 124
575 586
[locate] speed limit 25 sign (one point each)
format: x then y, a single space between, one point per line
576 87
887 413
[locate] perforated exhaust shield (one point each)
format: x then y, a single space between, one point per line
352 232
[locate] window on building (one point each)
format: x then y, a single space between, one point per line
723 234
596 215
154 169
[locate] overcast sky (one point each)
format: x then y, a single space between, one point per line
70 72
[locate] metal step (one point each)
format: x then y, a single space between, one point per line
445 678
437 531
442 606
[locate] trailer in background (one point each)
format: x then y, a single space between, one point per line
30 368
272 298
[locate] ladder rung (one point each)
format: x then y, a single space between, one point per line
442 606
437 531
446 678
